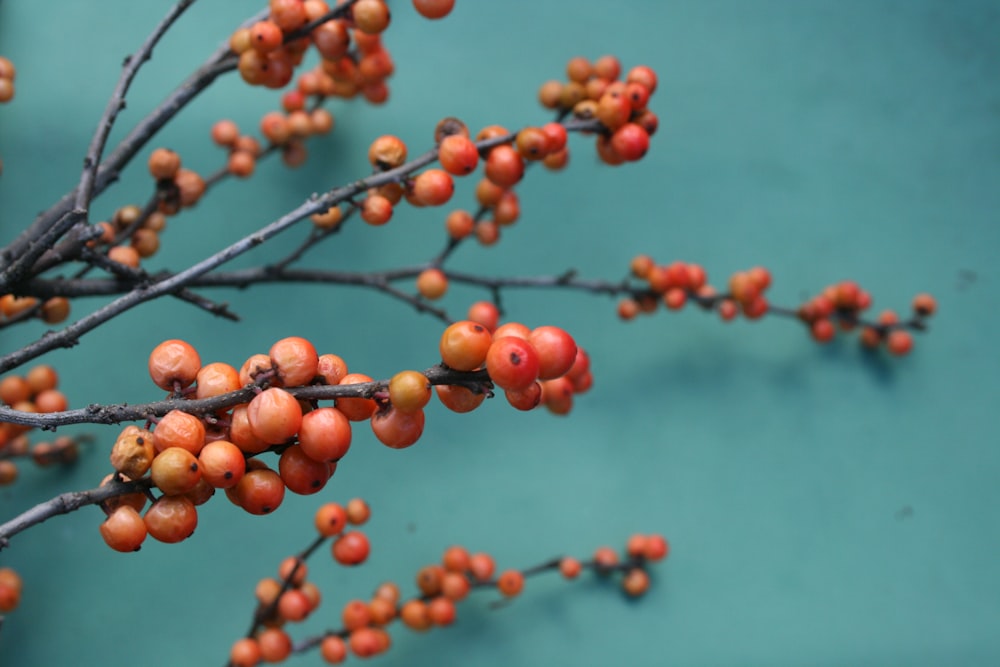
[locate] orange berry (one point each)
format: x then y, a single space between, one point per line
376 210
570 568
133 452
355 614
481 566
275 645
397 429
295 360
656 548
330 519
357 511
171 519
164 164
459 399
415 615
433 9
302 474
333 649
325 434
432 283
485 313
635 582
822 331
274 415
351 548
179 429
260 491
216 379
458 154
464 345
175 471
512 363
433 187
510 582
387 152
459 224
225 133
173 362
356 409
265 36
899 342
504 166
556 351
124 530
222 464
429 579
370 16
441 611
245 652
409 391
924 305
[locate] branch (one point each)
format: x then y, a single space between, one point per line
37 245
66 503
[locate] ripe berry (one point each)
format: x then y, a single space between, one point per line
351 548
173 361
397 429
175 471
432 283
274 415
504 166
512 363
330 519
222 464
325 434
171 519
295 360
510 583
464 345
458 155
356 409
302 474
409 391
433 9
260 491
124 530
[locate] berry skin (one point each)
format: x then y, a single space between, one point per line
485 313
179 429
635 582
570 568
325 434
416 616
387 152
222 464
357 511
301 474
899 342
175 471
510 583
370 16
924 305
274 415
459 399
556 351
295 360
464 345
512 363
433 187
376 210
432 283
351 548
409 391
260 491
124 530
171 519
164 164
173 361
433 9
458 155
630 141
356 409
397 429
330 519
216 379
504 166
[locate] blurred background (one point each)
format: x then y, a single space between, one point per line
825 506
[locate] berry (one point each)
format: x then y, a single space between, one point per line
351 548
433 9
274 415
173 362
397 429
432 283
512 363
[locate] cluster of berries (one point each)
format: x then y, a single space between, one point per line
844 302
37 391
594 91
270 50
441 586
840 304
176 187
188 455
291 598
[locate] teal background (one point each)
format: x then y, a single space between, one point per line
825 506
